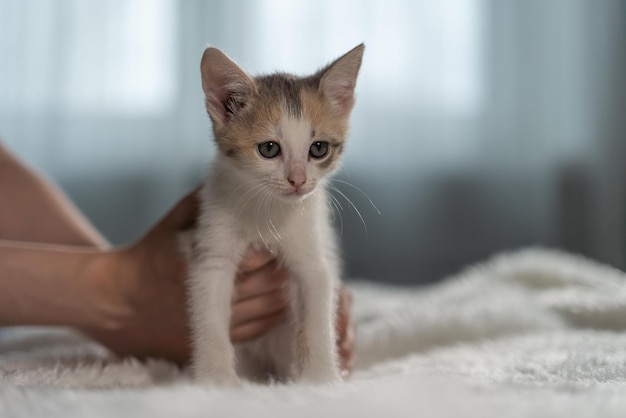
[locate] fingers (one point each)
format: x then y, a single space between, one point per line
254 260
261 299
256 328
260 306
346 332
346 350
344 305
263 280
256 312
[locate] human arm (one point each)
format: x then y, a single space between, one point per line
34 209
131 299
45 284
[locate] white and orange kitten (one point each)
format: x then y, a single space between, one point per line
279 138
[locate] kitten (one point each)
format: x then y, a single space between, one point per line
279 138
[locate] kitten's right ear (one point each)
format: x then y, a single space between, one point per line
339 79
227 88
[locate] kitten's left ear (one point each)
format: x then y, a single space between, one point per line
339 80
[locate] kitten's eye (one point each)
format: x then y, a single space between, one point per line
318 149
269 149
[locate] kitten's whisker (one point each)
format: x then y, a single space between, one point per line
253 192
271 226
332 208
277 234
254 182
337 202
353 207
250 189
333 202
265 202
257 213
360 190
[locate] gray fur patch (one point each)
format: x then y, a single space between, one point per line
283 88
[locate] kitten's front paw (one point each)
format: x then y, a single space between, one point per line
320 375
219 378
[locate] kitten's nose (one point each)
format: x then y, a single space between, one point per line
297 180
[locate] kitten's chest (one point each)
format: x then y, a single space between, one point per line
261 220
275 227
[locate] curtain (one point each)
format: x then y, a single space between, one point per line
480 126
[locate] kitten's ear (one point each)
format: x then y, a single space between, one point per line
227 88
339 79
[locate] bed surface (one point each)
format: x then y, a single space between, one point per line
530 333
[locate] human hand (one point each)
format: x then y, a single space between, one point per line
142 293
257 268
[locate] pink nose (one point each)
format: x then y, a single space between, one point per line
297 180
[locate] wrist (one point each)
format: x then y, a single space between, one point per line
105 306
47 285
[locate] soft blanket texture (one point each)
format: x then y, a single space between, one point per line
531 333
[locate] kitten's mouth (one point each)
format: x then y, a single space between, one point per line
296 194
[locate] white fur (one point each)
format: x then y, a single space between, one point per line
244 207
527 334
298 130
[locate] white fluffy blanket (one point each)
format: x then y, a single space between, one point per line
533 333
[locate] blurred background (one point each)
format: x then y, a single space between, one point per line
480 126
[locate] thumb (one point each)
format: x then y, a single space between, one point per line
184 214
